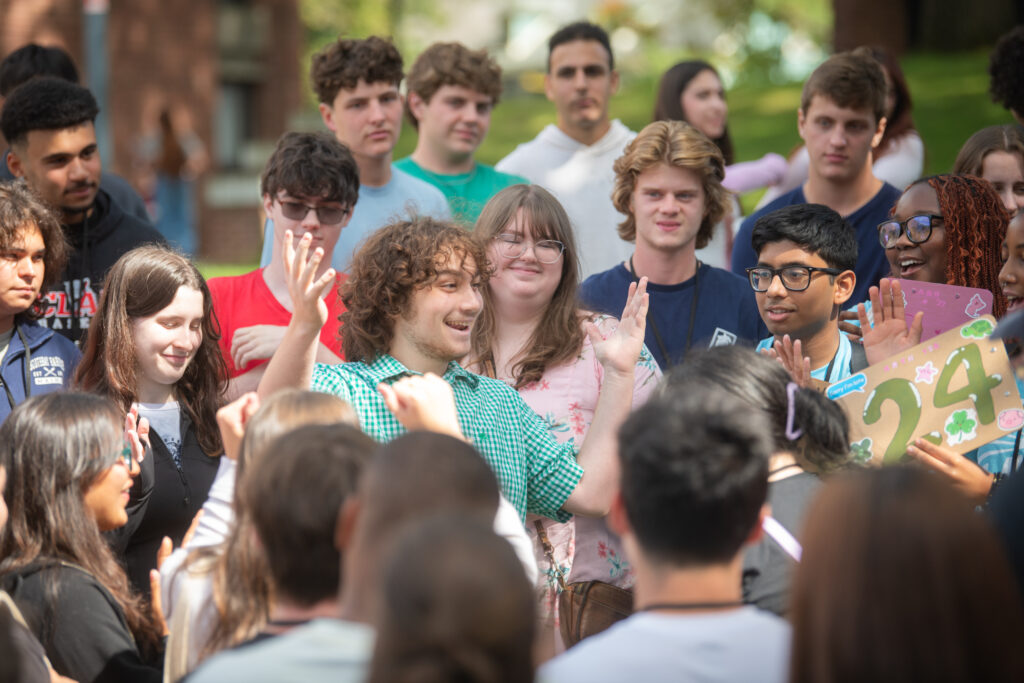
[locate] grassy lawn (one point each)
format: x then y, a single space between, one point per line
950 94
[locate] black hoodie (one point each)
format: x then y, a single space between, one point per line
105 235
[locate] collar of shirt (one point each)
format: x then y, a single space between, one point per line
387 368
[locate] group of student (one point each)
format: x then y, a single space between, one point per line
453 396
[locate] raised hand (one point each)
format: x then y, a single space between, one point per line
232 418
256 342
619 352
305 289
423 402
889 334
790 354
136 434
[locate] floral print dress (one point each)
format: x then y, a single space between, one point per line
584 548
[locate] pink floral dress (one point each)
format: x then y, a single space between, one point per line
585 549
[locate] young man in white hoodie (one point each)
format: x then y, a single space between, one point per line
573 157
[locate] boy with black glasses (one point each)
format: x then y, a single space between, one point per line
806 254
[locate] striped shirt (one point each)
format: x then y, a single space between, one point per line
535 472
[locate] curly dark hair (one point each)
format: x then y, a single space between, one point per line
976 224
46 104
342 64
32 61
394 262
311 165
20 209
1007 76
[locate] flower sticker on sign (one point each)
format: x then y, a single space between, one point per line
949 389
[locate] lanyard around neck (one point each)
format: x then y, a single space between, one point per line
24 368
669 361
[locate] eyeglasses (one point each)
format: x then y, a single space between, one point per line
125 457
327 215
918 229
794 278
511 245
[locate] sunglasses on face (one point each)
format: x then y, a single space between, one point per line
918 229
794 278
297 211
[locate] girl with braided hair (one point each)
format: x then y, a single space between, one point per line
948 229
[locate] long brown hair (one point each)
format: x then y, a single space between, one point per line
242 591
141 283
971 157
900 580
899 121
668 104
976 222
54 447
559 334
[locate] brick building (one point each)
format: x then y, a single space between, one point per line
229 67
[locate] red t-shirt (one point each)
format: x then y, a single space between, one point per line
245 300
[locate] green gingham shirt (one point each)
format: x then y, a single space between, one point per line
536 473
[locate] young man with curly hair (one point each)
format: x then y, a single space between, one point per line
357 83
452 91
841 120
49 125
668 184
1007 74
412 298
309 187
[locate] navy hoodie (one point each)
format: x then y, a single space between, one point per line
105 235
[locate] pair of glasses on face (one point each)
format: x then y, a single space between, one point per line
793 278
125 457
513 246
918 229
297 211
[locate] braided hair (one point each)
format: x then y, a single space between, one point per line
976 223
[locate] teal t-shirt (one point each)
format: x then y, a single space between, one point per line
466 192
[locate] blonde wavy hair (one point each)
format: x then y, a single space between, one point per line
679 145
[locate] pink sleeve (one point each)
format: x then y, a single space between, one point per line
751 175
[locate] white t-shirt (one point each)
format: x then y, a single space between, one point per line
743 644
165 420
581 178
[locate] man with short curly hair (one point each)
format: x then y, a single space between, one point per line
411 300
49 125
452 91
356 82
1006 67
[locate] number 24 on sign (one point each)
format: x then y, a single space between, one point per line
956 389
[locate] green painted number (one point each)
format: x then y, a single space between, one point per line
904 394
979 385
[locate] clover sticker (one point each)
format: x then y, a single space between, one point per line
861 450
979 329
961 426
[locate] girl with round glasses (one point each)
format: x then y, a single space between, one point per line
68 480
152 347
948 229
532 334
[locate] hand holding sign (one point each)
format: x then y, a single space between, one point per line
956 390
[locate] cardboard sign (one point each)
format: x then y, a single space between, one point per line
956 389
944 306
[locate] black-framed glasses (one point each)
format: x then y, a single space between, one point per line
511 245
918 229
297 211
794 278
